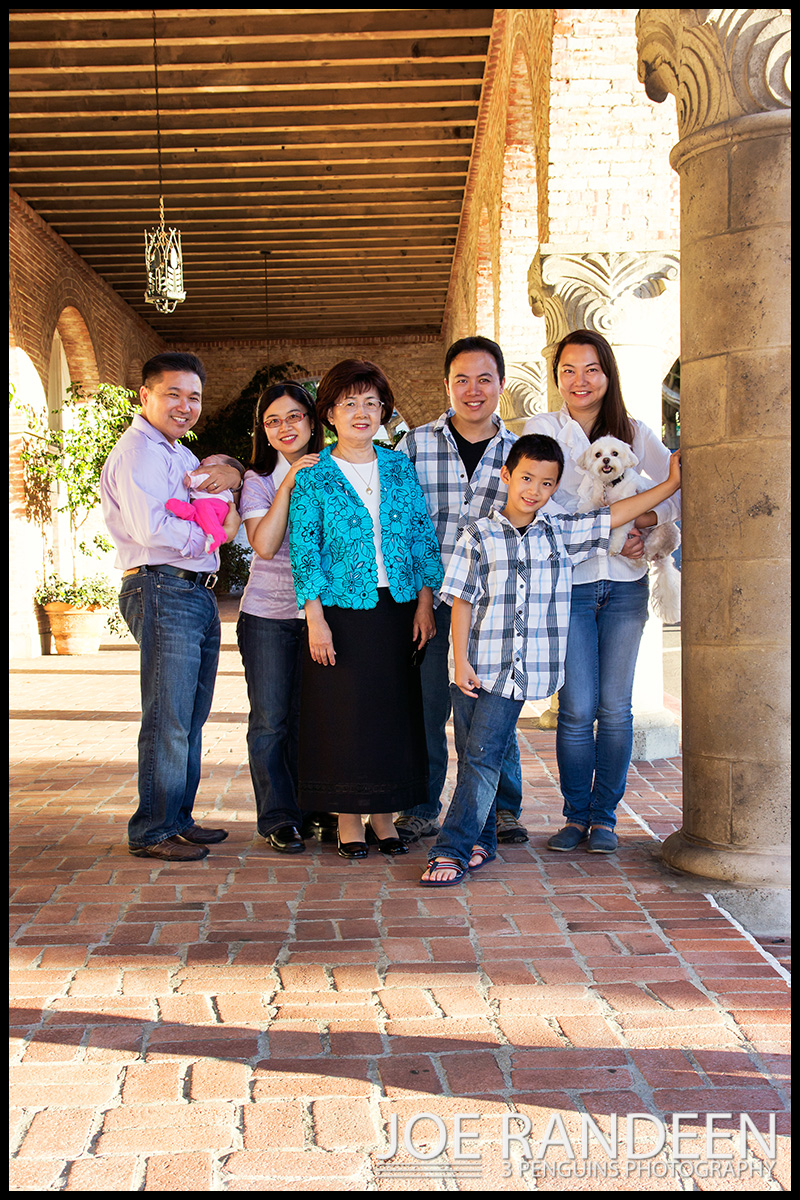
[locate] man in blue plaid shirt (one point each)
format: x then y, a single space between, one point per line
458 459
510 583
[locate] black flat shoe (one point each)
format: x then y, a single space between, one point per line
352 849
321 826
389 845
392 845
286 839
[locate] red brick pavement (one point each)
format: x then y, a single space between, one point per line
256 1020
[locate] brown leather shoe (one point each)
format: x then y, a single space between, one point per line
197 836
170 850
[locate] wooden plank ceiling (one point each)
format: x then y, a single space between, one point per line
337 140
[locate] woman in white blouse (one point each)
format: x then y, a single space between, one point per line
609 599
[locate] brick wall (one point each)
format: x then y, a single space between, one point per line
569 150
48 278
610 182
413 366
504 217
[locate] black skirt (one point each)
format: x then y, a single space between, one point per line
362 734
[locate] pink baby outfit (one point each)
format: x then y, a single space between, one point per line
207 511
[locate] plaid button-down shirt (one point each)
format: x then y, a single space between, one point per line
519 583
452 499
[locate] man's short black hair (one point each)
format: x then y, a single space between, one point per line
465 345
172 360
537 446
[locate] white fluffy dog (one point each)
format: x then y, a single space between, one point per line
609 475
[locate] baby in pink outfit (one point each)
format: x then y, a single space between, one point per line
206 510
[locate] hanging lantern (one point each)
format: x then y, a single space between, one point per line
162 247
164 262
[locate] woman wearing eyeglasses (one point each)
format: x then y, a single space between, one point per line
365 560
271 625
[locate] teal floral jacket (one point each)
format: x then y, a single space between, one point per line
332 542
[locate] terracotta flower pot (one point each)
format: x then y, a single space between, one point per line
75 630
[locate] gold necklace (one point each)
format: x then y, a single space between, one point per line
358 473
371 472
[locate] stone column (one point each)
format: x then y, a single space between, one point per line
728 69
624 296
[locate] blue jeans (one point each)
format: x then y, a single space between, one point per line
436 705
176 624
483 727
607 619
271 652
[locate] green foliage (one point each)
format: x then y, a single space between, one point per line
68 462
85 593
73 458
234 568
230 431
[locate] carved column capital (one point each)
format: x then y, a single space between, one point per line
584 290
525 392
718 63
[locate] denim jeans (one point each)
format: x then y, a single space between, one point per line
483 726
607 619
436 705
271 652
176 624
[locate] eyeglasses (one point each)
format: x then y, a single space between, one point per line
292 418
370 406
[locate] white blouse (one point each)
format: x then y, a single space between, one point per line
653 458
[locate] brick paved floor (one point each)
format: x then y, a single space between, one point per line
257 1021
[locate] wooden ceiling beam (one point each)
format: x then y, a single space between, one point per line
252 205
241 75
336 141
300 54
110 180
228 27
64 196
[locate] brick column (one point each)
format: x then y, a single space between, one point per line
727 69
624 296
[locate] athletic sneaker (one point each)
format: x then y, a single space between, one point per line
509 830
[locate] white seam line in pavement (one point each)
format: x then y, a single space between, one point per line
770 958
639 821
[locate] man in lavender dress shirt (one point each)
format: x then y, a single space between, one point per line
167 602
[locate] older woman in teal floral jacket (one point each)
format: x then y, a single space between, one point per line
332 537
365 561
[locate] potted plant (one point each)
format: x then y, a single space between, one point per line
68 462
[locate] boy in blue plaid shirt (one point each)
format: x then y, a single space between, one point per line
510 583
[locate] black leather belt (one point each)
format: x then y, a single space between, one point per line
206 579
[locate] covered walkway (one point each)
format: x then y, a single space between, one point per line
257 1021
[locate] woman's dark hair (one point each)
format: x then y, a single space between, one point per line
613 419
476 342
537 446
264 457
353 375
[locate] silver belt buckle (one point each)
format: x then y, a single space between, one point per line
211 581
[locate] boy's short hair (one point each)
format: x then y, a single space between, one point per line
476 342
537 446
